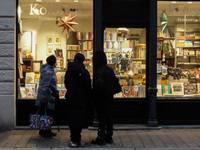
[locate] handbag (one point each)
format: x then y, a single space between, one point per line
42 122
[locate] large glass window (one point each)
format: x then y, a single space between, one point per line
125 49
43 31
178 49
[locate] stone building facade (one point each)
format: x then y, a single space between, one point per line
7 63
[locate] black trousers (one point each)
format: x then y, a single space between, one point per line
104 113
75 134
41 110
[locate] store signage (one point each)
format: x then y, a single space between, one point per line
188 19
35 9
179 11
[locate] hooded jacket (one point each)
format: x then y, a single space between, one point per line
78 85
45 95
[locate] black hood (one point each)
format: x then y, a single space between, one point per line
75 68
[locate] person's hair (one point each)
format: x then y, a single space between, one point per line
79 58
51 60
99 58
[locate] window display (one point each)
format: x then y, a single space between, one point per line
44 34
178 46
125 49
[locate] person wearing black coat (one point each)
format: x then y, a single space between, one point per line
78 85
104 81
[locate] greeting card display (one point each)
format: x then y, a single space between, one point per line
128 91
166 89
177 88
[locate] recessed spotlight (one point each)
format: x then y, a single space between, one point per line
189 2
173 1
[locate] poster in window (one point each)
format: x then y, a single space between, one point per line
177 88
26 41
49 40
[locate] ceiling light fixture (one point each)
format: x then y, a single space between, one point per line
57 0
75 0
173 1
189 2
38 0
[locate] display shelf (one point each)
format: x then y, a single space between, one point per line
192 39
169 38
73 59
79 50
187 63
85 40
188 31
114 40
27 59
186 55
139 58
135 38
192 47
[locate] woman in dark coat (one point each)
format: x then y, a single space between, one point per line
104 84
78 85
46 98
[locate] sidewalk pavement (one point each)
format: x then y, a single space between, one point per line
132 139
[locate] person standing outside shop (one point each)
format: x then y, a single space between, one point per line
46 97
104 81
78 85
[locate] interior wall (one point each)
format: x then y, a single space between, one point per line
44 28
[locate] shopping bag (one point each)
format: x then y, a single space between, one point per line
42 122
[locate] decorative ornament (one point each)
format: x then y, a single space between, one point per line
67 23
163 21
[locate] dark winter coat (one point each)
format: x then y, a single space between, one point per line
104 81
45 95
78 85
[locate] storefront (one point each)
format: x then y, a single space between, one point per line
156 90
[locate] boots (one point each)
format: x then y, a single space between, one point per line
100 140
109 139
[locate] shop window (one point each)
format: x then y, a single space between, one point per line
178 49
41 33
125 49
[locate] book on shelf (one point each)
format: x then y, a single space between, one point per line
110 36
165 46
188 43
30 77
22 92
197 35
166 89
166 34
84 35
87 54
86 45
30 90
128 91
72 53
60 75
37 78
58 53
196 43
62 91
73 47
